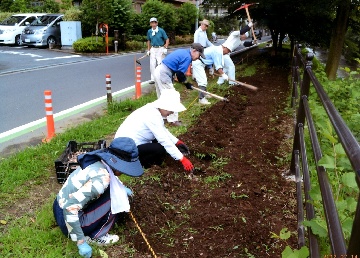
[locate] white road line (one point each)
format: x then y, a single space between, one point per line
58 57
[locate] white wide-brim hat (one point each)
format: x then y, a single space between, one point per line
169 100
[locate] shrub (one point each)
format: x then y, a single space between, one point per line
187 39
3 16
90 45
134 45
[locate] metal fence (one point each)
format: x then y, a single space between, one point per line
301 84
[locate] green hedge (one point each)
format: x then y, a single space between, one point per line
90 45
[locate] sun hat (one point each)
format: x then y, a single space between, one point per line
122 155
206 22
153 19
198 47
169 100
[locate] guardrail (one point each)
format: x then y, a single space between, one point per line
299 163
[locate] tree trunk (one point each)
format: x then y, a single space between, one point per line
337 39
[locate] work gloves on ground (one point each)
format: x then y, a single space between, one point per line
182 147
225 77
148 53
188 166
188 85
85 250
165 51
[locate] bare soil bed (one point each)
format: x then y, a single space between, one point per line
238 195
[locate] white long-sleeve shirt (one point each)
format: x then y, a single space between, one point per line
146 124
200 36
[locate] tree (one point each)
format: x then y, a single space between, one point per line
164 13
337 38
5 5
49 6
122 17
95 12
187 12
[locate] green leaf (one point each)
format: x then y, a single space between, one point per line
351 204
339 149
316 228
287 252
330 137
303 252
327 162
348 179
284 234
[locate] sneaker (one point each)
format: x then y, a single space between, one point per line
151 82
204 101
104 240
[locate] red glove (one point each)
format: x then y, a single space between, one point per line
182 147
188 166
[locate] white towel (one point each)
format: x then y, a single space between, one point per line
118 195
155 31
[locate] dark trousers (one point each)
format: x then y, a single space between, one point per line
96 218
151 154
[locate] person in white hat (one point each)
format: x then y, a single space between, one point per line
157 44
200 36
216 56
146 127
235 39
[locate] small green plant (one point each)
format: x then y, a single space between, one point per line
284 235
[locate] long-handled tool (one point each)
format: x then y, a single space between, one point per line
249 86
211 94
245 6
138 60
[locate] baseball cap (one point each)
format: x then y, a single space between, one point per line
153 19
198 47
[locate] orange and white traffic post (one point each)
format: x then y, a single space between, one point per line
49 116
108 88
138 82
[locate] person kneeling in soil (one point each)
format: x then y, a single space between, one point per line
176 63
146 127
88 204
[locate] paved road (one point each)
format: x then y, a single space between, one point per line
73 79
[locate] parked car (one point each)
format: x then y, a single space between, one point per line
43 31
258 34
12 27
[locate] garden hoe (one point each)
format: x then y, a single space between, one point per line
138 60
249 86
211 94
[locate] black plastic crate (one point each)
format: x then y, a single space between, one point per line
67 162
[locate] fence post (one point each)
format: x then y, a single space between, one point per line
138 82
300 117
49 116
108 88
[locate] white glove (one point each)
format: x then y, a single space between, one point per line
148 53
211 70
225 77
250 24
165 51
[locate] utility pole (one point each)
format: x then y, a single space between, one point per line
197 15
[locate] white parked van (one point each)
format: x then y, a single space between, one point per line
12 27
